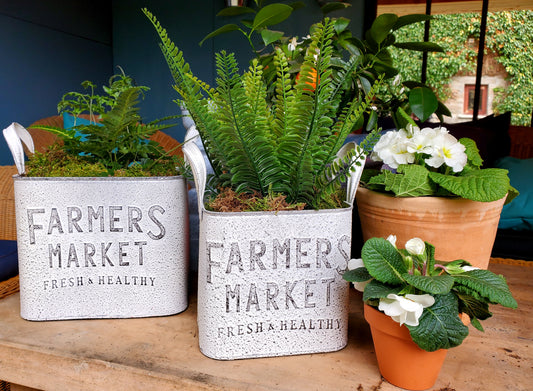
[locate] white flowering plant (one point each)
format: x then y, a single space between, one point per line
432 162
426 295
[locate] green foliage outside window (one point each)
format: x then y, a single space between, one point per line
509 35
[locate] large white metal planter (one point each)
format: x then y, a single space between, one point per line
101 247
270 284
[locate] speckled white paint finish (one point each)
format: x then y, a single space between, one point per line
132 262
254 301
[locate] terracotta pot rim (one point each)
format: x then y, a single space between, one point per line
367 193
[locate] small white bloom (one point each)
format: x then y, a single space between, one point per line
292 44
415 246
421 141
396 80
467 268
392 240
447 150
391 149
356 263
406 309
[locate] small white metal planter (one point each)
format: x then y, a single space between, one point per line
270 284
101 247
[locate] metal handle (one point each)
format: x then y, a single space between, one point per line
16 134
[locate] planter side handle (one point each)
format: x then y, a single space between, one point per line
355 175
195 158
16 134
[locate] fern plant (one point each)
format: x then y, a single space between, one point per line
285 145
115 136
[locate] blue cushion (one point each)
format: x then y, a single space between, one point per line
8 259
69 121
518 214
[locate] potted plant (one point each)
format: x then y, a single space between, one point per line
269 275
101 215
413 304
432 186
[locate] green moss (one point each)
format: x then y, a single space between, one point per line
55 162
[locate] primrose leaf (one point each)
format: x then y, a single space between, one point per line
436 285
489 184
409 181
488 285
357 275
439 326
377 290
383 261
472 152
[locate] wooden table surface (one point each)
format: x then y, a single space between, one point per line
162 354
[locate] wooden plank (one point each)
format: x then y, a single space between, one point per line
163 354
450 7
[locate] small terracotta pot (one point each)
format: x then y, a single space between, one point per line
458 228
401 362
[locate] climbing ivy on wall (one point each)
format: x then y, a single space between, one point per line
509 35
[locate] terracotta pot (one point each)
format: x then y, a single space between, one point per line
401 362
458 228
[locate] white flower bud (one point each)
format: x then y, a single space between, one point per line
415 246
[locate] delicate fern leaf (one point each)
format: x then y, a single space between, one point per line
283 93
190 92
61 132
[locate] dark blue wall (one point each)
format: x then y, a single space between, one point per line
135 43
48 48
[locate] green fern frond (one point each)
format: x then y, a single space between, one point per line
61 132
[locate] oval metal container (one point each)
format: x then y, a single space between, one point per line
270 284
102 247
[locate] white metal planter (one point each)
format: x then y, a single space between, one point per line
101 247
270 284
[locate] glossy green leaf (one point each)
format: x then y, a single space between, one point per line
341 24
423 102
271 14
419 46
382 26
234 11
410 19
334 6
270 36
221 30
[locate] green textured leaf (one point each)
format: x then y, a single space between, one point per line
489 184
383 261
491 286
439 326
470 305
423 102
357 275
377 290
409 181
436 285
419 46
381 27
272 14
221 30
270 36
472 152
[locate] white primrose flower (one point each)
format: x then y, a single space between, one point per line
421 141
467 268
447 150
415 246
406 309
392 240
391 149
356 263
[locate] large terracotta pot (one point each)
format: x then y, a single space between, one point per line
458 228
401 362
